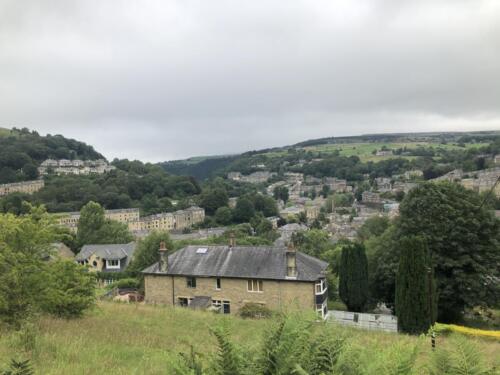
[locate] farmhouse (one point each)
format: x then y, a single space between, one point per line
228 277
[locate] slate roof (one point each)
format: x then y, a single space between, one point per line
260 262
109 252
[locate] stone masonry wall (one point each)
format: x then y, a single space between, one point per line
276 295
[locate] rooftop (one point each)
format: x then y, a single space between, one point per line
257 262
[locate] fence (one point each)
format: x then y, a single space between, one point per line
375 322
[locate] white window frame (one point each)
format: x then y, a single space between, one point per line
322 285
218 283
255 286
110 266
320 309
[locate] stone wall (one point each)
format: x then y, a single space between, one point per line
276 295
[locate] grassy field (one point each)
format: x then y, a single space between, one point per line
139 339
364 150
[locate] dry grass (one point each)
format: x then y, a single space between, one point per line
139 339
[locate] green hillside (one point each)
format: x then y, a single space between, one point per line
22 151
421 150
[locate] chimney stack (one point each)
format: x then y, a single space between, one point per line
291 261
232 240
163 263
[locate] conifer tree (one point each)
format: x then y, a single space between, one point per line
353 277
415 287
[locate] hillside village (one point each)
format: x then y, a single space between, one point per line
282 234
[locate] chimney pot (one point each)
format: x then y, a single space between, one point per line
291 261
163 258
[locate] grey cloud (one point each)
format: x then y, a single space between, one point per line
165 79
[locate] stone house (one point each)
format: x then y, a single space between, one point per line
106 258
177 220
226 278
28 187
125 215
370 197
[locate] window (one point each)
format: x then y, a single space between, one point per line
322 310
255 286
222 306
112 263
184 302
321 286
217 284
191 282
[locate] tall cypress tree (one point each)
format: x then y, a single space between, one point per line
416 306
353 277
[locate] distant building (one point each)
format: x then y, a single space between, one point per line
124 215
383 184
337 185
286 231
413 173
169 221
384 153
235 176
106 258
78 167
370 197
27 187
254 178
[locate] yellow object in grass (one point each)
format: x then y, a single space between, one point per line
467 331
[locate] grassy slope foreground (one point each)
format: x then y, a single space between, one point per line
139 339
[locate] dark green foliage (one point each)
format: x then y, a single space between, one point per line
281 193
146 252
70 289
265 204
374 226
212 199
23 151
353 277
415 288
463 241
18 368
94 228
224 216
244 210
254 311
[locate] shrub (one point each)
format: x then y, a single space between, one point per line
255 310
70 289
125 283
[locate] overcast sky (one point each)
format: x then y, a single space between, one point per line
160 80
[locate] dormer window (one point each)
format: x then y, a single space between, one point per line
113 263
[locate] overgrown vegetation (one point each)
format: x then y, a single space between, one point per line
118 338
